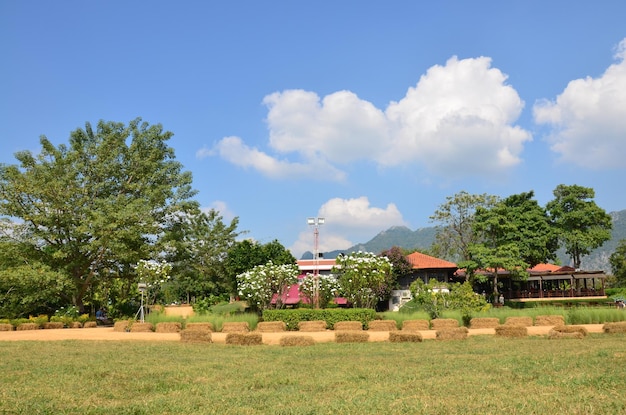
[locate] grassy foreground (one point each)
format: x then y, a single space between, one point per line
484 374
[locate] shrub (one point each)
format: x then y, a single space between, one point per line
39 320
329 315
348 325
456 333
511 330
382 325
351 336
297 341
399 337
196 336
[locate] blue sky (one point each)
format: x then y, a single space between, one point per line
366 113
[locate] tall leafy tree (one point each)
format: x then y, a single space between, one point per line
618 263
400 267
362 276
581 224
91 209
455 232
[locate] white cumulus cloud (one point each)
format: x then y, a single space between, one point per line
588 119
462 110
347 222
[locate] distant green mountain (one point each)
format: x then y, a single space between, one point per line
423 238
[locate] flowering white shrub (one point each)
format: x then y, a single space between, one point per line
258 285
154 274
362 277
328 288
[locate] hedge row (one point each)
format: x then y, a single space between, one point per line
331 316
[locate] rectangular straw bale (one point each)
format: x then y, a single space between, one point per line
571 329
6 327
484 322
202 326
382 325
405 336
168 327
271 326
297 341
53 325
139 327
619 327
554 334
454 333
351 336
235 327
348 325
121 325
244 339
555 320
28 326
519 321
444 323
511 330
90 324
75 325
315 325
195 336
415 325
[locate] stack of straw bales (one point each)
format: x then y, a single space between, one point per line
454 333
556 320
348 326
415 325
244 339
405 336
382 325
297 341
315 325
567 332
168 327
235 327
484 323
619 327
444 323
271 326
351 336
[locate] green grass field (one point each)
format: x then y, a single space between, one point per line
481 375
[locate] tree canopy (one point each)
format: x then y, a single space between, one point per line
92 209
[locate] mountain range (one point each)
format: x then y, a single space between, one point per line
423 238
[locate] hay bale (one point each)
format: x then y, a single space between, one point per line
554 334
404 336
382 325
484 323
348 325
53 325
297 341
6 327
519 321
139 327
555 320
415 325
351 336
195 336
235 327
28 326
244 339
511 330
203 326
168 327
75 325
619 327
315 325
90 324
454 333
571 329
444 323
271 326
121 325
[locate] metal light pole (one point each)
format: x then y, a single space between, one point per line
142 287
316 223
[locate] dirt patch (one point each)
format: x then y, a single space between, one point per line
107 333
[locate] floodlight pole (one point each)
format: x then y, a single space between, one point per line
142 286
316 222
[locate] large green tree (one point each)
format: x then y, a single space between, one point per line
618 263
581 224
455 232
91 209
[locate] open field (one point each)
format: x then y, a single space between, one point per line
483 374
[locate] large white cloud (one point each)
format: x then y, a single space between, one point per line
461 111
347 222
588 118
